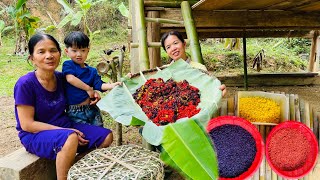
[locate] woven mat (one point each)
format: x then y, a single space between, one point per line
119 162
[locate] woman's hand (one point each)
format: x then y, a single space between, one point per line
129 75
81 137
223 88
96 98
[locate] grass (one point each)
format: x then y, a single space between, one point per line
279 58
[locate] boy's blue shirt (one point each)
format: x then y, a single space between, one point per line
88 75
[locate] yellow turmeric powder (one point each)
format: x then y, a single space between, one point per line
259 109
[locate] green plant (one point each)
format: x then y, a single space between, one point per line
299 45
75 17
3 29
25 25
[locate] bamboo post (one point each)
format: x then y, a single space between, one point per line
312 58
316 124
291 107
268 168
231 106
256 174
302 111
307 114
224 107
287 103
318 117
191 32
134 53
262 169
311 114
274 175
245 68
296 107
153 31
142 36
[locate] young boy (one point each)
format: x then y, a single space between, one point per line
82 80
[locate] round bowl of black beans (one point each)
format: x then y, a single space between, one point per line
239 147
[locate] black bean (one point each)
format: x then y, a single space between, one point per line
235 148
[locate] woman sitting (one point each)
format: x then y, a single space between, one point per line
44 127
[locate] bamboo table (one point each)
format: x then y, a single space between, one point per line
299 110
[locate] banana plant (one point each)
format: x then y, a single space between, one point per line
75 17
25 24
3 29
232 44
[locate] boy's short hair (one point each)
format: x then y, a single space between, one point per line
77 39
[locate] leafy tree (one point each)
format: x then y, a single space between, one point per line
25 25
3 29
75 17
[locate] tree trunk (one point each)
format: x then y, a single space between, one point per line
21 44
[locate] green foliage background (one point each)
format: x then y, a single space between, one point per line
281 54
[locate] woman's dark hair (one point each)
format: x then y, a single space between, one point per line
165 36
77 39
39 37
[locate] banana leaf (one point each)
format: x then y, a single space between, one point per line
188 149
120 104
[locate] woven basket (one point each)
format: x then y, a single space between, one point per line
119 162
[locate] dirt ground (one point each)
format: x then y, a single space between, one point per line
9 141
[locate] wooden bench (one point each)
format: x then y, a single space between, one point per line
22 165
25 166
299 110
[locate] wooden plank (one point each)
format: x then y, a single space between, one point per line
250 33
270 80
210 4
244 4
291 107
166 3
314 6
247 19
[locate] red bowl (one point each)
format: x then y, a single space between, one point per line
311 158
233 120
